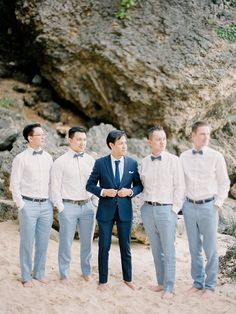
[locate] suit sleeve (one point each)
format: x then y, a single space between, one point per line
93 180
137 184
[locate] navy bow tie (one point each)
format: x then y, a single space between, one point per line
39 152
155 158
78 155
200 152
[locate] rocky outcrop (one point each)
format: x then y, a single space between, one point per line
8 210
227 265
163 65
227 218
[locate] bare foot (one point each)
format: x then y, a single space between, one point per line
28 284
208 294
157 288
167 295
43 280
102 286
65 281
87 278
130 284
193 290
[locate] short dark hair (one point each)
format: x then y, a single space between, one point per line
29 130
153 129
114 136
199 124
75 129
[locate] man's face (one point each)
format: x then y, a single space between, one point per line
157 142
37 139
201 137
78 142
119 148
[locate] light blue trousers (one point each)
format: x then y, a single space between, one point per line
201 224
82 216
160 226
35 225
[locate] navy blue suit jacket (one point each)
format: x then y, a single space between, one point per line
102 173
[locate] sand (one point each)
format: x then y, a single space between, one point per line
84 297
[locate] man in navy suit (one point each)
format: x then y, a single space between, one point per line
119 181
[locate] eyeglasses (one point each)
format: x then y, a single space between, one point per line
41 135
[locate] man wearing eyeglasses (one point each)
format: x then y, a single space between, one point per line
30 185
207 186
70 173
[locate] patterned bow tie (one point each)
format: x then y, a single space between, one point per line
39 152
78 155
200 152
155 158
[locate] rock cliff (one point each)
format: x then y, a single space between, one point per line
164 65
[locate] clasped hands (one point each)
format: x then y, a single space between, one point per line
121 193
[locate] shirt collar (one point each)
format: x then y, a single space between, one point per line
73 152
161 154
114 159
31 150
204 148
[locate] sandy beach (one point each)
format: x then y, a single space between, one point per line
84 297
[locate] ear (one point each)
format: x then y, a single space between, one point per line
111 145
29 139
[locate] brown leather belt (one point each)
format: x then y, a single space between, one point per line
156 204
38 200
200 201
83 202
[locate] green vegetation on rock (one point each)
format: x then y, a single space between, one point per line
125 6
227 32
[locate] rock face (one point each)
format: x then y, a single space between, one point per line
227 264
163 65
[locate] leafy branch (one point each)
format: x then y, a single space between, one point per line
125 6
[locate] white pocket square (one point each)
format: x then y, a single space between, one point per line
131 172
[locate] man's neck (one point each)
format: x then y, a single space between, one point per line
116 156
78 151
156 153
34 147
197 148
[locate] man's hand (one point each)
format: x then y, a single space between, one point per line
125 192
109 192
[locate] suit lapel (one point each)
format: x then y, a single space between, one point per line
109 168
125 171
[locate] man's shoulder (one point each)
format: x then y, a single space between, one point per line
21 155
212 151
103 159
146 158
130 159
171 156
47 154
61 158
185 153
89 157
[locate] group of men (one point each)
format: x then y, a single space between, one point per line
80 187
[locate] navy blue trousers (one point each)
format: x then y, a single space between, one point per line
104 244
